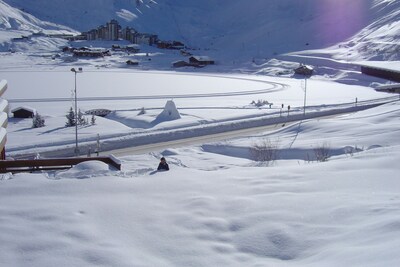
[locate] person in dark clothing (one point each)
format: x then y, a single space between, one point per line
163 166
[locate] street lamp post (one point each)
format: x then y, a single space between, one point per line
305 95
76 112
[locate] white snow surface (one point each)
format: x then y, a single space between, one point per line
212 209
216 206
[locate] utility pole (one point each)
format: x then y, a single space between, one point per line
76 112
305 95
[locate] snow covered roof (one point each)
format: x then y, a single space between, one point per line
25 108
202 58
133 46
389 86
303 66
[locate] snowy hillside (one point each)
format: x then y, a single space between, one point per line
239 29
14 23
14 19
376 41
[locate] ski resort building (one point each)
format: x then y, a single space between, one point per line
112 31
388 74
305 70
389 88
201 60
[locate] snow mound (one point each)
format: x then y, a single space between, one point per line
169 113
6 176
169 152
272 241
85 170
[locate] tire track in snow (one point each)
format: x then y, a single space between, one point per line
274 88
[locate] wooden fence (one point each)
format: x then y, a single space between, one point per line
51 164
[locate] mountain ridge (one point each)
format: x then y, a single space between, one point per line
262 29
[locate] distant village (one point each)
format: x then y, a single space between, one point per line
113 31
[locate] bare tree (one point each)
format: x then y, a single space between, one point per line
323 152
265 151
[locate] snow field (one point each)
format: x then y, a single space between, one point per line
209 210
217 209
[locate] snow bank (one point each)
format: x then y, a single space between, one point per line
85 170
343 212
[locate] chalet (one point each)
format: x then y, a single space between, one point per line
389 88
68 49
115 47
91 53
98 112
69 37
39 33
180 63
305 70
185 53
133 62
133 48
383 73
201 61
176 45
23 112
22 38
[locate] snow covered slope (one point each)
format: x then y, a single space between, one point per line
259 29
14 19
376 41
14 23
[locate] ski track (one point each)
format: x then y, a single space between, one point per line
274 88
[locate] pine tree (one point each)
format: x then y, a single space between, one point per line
70 118
38 121
81 119
93 120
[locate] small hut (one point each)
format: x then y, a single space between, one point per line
23 112
180 63
389 88
305 70
132 48
201 60
132 62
